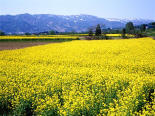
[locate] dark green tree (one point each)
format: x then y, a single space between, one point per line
2 33
143 27
52 32
153 23
123 33
138 34
130 28
90 32
27 33
98 30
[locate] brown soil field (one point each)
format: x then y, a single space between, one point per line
9 45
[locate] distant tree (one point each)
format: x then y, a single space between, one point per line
138 34
52 32
130 28
143 27
153 23
123 33
27 33
2 33
90 32
98 30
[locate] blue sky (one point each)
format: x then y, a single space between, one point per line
101 8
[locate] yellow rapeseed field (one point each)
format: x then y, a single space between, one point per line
51 37
98 77
42 37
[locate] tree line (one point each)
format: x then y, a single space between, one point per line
136 31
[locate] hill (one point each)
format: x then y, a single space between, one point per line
44 22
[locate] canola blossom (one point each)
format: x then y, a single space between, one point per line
42 37
98 77
52 37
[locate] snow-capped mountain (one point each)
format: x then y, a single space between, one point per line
61 23
136 21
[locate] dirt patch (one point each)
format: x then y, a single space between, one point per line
17 45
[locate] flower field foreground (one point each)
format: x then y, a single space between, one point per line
98 77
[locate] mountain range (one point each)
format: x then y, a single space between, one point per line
45 22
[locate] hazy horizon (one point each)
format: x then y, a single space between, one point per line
120 9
